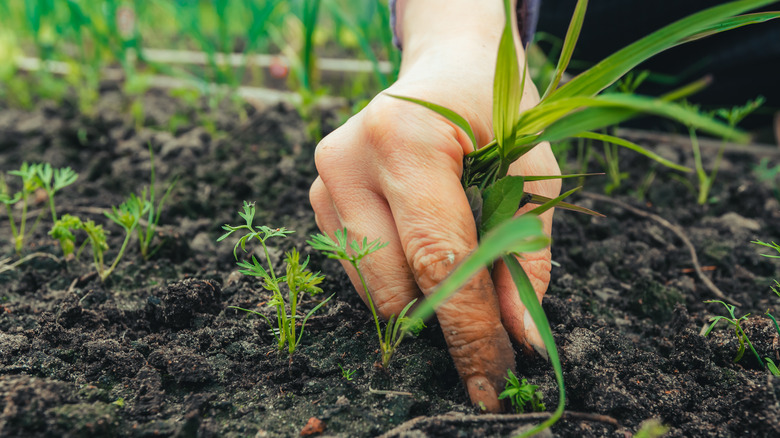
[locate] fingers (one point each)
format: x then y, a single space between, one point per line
437 231
515 317
343 199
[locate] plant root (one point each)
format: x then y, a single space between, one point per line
674 229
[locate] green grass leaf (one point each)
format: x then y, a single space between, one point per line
507 90
605 73
531 302
519 235
572 35
634 147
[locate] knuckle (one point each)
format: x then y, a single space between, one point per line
431 260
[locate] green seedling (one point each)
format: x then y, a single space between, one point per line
523 396
52 181
145 203
776 289
391 338
298 279
34 176
347 373
127 215
732 117
742 337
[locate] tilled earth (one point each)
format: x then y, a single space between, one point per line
155 351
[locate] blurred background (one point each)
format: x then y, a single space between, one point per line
331 53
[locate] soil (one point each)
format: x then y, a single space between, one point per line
155 350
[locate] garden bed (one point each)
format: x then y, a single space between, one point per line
155 351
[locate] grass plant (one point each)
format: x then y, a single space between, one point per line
145 203
299 281
732 116
397 327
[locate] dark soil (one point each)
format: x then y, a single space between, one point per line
155 351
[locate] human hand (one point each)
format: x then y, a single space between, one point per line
393 172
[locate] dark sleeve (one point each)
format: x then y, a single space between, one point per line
527 17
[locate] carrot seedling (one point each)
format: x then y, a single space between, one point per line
34 176
391 338
127 215
523 396
145 204
298 279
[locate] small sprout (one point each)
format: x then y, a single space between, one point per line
297 278
30 183
742 337
347 373
338 249
126 215
53 180
523 396
772 367
152 212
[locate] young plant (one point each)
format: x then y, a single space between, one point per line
127 215
52 181
742 337
523 396
732 117
298 279
391 338
145 204
573 110
347 373
776 289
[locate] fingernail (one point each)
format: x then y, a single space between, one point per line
532 335
483 394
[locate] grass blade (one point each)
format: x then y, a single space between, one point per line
531 302
615 66
634 147
572 35
507 90
522 234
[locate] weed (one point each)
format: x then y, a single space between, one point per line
338 249
298 279
732 117
523 396
145 204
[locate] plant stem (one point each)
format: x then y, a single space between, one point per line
371 305
106 273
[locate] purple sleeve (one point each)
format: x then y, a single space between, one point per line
527 17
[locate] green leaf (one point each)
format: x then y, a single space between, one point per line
553 202
733 23
539 199
507 90
572 35
531 302
447 113
518 235
500 202
613 67
634 147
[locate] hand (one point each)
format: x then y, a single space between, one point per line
393 171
